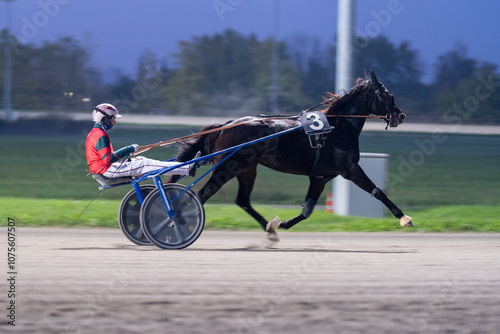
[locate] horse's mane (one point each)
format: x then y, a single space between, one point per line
334 101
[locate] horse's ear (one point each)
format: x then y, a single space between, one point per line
375 81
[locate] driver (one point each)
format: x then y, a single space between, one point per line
102 159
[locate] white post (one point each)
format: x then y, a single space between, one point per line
7 83
350 200
274 89
345 35
343 75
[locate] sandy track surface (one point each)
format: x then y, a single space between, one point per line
96 281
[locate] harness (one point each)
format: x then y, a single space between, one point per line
378 88
315 123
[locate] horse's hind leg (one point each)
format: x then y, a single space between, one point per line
316 186
246 180
220 176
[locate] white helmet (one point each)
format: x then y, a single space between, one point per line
104 109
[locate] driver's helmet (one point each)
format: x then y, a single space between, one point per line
104 110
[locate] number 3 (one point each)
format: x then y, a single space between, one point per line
317 124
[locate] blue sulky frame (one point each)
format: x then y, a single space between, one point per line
156 175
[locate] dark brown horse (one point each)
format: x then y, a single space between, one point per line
292 152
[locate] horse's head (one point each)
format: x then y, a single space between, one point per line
383 103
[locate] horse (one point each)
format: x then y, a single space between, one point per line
292 152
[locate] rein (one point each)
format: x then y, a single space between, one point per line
359 116
145 148
198 134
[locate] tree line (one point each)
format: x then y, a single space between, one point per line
229 73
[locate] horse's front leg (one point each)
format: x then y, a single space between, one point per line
356 174
316 186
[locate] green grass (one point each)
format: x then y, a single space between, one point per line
462 170
453 186
103 213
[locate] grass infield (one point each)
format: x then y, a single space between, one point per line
446 183
103 213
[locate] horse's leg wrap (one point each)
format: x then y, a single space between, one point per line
377 193
308 207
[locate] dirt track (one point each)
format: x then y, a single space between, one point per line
96 281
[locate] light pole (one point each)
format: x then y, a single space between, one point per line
10 115
345 32
275 59
343 74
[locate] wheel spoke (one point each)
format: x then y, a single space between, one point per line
178 232
160 225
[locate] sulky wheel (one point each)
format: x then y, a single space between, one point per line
128 216
169 233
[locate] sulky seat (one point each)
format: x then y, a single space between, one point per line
106 181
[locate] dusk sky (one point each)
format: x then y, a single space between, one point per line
118 31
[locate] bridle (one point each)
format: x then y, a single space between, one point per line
390 109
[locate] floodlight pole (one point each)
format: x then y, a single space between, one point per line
345 35
275 59
7 94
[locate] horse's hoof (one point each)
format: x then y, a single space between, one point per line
406 221
273 236
273 225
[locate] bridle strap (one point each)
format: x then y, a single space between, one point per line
145 148
359 116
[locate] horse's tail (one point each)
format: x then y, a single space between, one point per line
203 143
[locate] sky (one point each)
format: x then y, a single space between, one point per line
118 31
